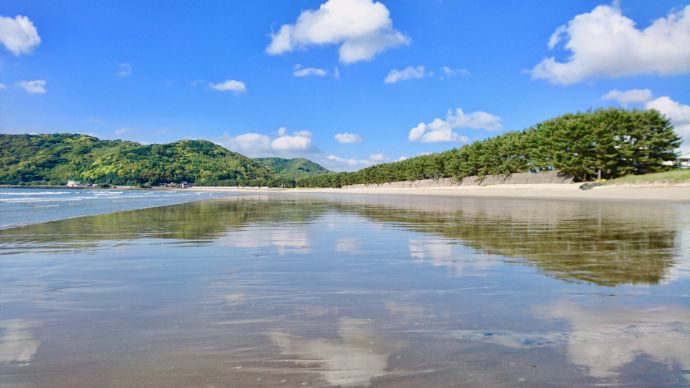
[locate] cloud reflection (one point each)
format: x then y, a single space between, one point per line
346 245
444 253
284 239
17 343
354 360
606 340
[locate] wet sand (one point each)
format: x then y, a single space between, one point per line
350 290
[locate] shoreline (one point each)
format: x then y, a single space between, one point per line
552 191
568 191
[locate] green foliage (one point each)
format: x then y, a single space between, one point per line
56 158
680 175
606 143
287 171
195 161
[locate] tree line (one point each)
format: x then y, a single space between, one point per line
600 144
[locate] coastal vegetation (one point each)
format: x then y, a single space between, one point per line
670 177
601 144
57 158
291 169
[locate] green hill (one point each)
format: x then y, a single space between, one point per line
291 168
56 158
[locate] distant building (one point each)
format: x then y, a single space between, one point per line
73 184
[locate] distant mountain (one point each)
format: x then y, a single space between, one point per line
291 168
56 158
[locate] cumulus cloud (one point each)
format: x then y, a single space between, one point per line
299 141
361 28
408 73
33 87
124 69
378 157
231 85
347 138
351 163
18 35
451 72
440 130
678 113
605 43
300 71
629 96
256 144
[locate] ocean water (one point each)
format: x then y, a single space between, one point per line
28 206
318 290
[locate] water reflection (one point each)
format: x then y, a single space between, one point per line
449 254
271 290
17 342
353 360
601 243
606 339
285 239
604 244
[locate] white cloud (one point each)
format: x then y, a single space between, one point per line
348 161
629 96
33 87
231 85
678 113
18 35
300 71
378 157
124 69
408 73
2 86
122 131
604 43
361 28
440 130
256 144
250 144
451 72
347 138
299 141
352 162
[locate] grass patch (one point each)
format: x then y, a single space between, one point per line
681 175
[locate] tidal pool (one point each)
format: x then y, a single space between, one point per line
317 290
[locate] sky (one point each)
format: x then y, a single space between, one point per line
346 83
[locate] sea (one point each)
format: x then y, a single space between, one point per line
28 206
182 289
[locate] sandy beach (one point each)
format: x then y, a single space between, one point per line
656 192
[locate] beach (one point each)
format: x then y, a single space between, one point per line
568 191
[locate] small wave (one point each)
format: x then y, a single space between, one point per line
37 193
33 200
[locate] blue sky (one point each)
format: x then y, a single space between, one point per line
230 72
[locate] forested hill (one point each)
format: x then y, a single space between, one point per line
605 143
56 158
291 168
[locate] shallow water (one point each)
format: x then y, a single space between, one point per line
315 290
29 206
